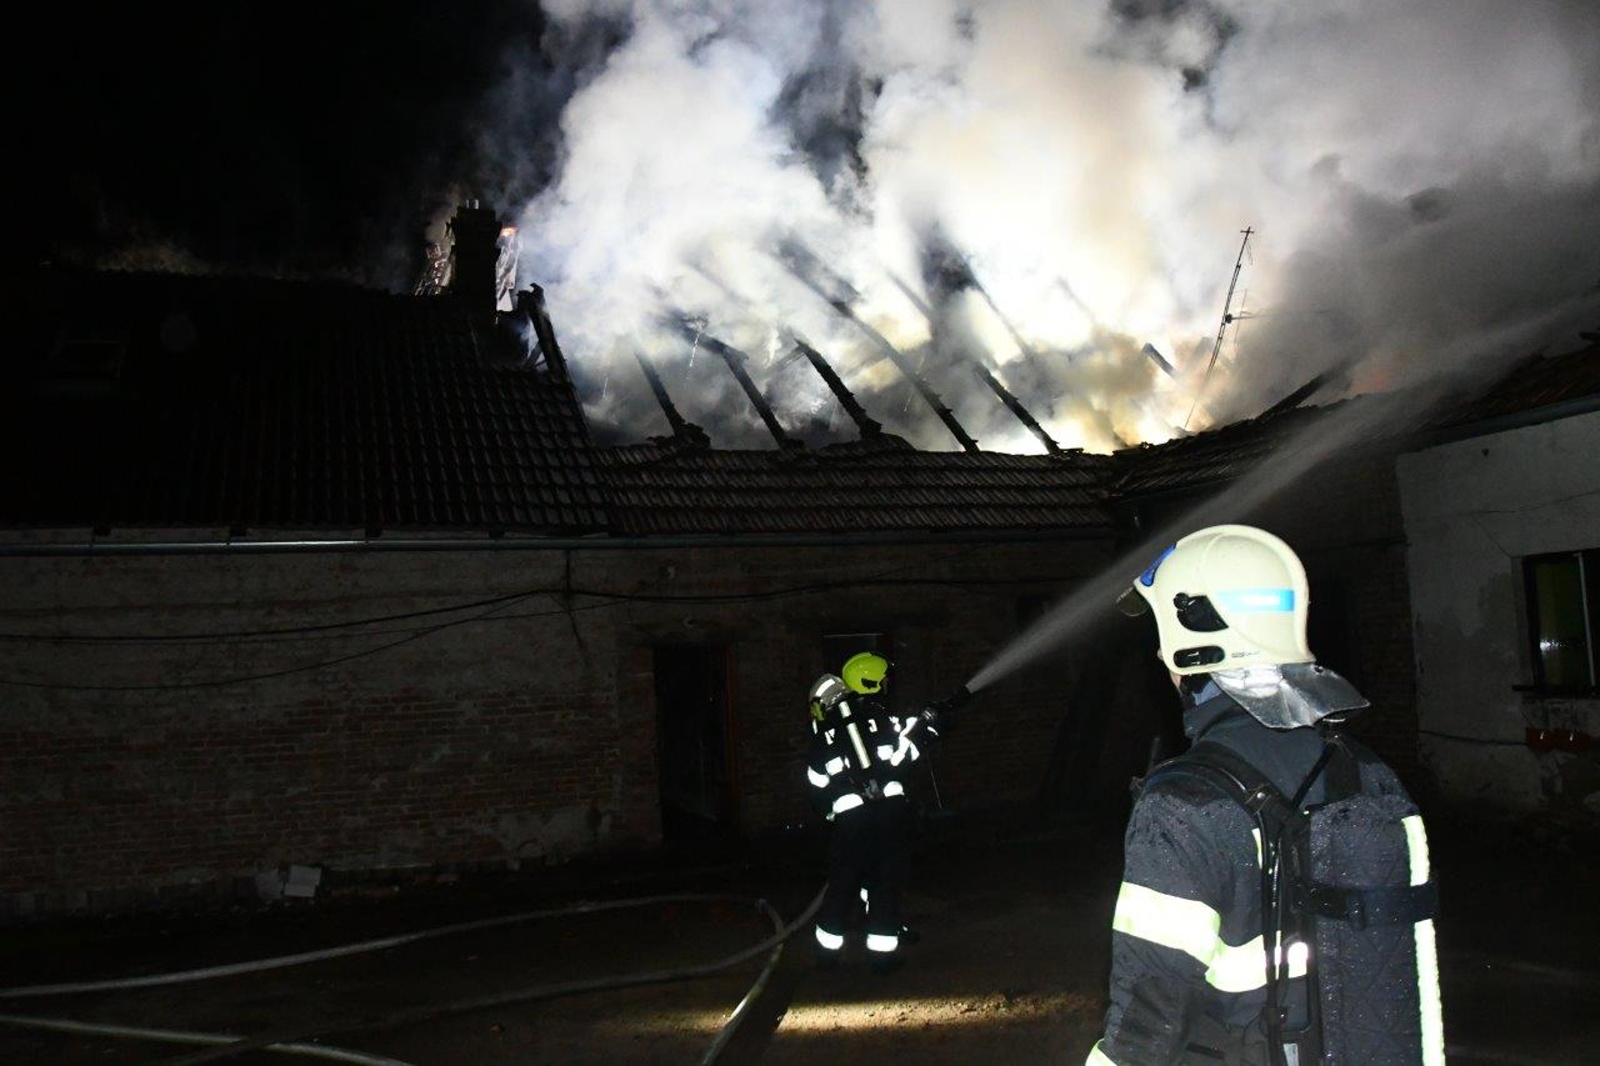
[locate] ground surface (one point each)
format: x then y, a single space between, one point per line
1014 914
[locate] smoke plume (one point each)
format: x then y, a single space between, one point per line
1042 190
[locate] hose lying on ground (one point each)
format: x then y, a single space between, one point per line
521 995
294 1042
280 961
742 1010
182 1036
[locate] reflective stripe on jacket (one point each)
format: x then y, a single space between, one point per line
1187 942
839 782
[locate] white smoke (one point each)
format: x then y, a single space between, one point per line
1422 178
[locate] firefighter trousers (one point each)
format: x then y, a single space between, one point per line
870 849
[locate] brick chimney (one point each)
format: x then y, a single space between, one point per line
474 275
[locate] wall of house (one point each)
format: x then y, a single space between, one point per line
216 718
486 733
1344 521
947 609
1473 510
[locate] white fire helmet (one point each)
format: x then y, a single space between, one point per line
826 691
1231 601
1226 597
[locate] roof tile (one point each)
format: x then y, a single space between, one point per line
665 487
290 405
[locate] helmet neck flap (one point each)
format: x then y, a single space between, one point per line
1290 696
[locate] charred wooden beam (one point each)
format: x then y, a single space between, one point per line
1014 405
1297 397
869 426
983 373
736 360
1155 356
807 268
531 303
682 428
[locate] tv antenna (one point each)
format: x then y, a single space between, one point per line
1222 327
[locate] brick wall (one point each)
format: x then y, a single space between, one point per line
523 730
947 610
506 732
438 739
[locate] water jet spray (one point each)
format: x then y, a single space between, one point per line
1363 419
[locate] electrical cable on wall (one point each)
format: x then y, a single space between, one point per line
976 587
565 589
217 682
492 612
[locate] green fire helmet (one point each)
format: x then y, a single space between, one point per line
865 672
1225 598
826 691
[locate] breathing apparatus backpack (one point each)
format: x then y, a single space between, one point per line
1347 878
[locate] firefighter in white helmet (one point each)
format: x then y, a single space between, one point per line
860 759
1234 939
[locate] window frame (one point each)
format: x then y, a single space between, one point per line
1588 560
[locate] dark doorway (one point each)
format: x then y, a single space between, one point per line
698 811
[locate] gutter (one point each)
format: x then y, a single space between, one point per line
601 543
1578 405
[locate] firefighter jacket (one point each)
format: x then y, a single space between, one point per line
859 753
1188 969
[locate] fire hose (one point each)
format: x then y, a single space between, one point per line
935 717
297 1043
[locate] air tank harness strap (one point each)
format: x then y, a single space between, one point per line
1364 907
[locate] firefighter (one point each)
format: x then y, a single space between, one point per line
1193 978
859 761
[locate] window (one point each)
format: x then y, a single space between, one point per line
83 366
1564 618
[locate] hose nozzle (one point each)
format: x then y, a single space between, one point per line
952 702
941 713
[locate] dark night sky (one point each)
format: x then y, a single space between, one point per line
310 139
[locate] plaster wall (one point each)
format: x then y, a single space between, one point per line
1473 509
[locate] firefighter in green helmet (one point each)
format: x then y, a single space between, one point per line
860 759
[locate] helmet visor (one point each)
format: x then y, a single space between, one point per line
1131 603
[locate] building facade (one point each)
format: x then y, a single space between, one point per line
304 575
